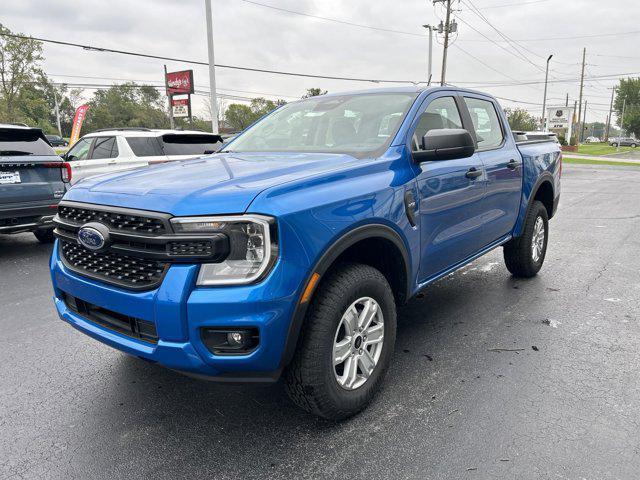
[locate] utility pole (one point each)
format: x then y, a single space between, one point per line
624 107
566 102
55 100
212 68
606 133
447 29
430 62
584 121
584 56
172 122
544 99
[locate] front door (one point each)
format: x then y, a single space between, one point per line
450 194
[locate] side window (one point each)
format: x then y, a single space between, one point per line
440 113
80 150
103 148
144 146
485 122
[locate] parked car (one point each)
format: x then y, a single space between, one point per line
33 179
624 142
113 150
289 252
592 140
57 141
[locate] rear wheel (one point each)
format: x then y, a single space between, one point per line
524 255
633 145
346 345
44 236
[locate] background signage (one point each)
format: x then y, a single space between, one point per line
180 82
180 107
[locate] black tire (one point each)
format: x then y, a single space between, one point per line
614 144
310 378
518 252
633 145
44 236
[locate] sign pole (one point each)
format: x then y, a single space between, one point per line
189 110
169 96
212 68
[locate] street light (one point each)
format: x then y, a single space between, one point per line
544 100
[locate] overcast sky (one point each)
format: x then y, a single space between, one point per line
254 36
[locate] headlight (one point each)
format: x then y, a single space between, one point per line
253 247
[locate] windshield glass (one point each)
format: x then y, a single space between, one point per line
359 124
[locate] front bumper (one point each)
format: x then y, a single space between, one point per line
179 310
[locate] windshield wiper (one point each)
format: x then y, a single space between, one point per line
14 152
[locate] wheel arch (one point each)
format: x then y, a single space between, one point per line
350 246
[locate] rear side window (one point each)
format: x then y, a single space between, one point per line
188 144
80 150
145 146
105 147
485 122
440 113
16 142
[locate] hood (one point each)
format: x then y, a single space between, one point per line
218 184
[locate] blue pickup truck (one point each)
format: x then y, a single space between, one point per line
287 253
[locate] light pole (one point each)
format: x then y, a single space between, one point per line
430 28
212 68
544 100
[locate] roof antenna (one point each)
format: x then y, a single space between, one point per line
429 82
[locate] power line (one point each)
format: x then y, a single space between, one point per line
570 37
514 4
334 20
197 62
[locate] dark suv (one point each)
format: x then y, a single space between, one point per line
57 141
33 179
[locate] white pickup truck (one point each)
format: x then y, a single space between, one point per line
106 151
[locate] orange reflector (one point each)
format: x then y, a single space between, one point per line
306 295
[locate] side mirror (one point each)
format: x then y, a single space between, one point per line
445 144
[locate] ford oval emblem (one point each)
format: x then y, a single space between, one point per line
91 238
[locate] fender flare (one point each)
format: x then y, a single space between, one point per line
544 177
339 246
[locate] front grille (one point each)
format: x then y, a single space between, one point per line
130 326
111 267
118 222
189 248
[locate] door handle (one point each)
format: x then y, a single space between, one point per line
473 173
512 165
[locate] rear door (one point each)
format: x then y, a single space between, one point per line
450 193
503 167
30 171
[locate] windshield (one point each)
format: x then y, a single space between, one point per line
359 124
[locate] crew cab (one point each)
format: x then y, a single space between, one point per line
288 253
117 149
33 179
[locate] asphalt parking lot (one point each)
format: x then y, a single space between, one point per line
492 377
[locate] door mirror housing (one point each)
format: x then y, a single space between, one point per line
445 144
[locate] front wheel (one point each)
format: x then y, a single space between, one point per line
346 343
614 144
524 255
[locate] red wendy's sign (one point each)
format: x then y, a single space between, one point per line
180 82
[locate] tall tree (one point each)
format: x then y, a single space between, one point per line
126 105
19 70
314 92
239 116
520 119
628 96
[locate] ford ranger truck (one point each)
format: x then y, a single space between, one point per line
287 253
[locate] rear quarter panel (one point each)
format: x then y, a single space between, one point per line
541 163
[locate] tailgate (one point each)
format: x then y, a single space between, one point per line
32 179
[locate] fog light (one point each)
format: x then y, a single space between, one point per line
230 341
235 338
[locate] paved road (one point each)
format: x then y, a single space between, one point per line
451 409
